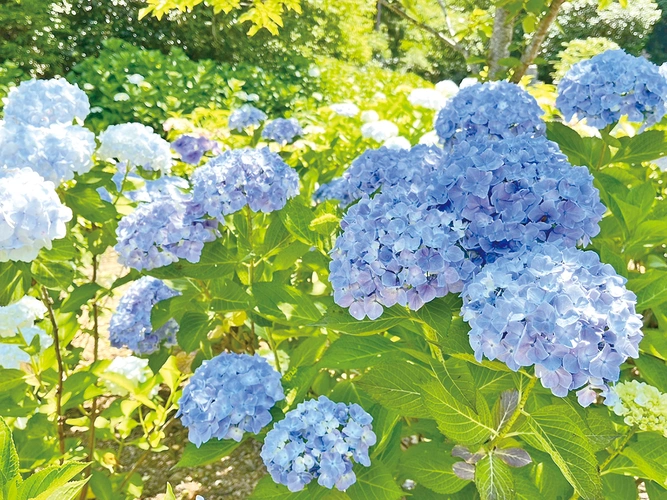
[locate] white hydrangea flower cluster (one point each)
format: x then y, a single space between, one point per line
428 98
641 405
135 145
31 215
38 132
380 130
19 319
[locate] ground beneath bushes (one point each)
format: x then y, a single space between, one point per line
232 478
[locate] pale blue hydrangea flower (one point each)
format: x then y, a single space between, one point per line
135 145
380 167
12 355
395 249
282 130
561 310
20 315
514 192
31 215
491 110
319 440
191 149
159 233
380 130
130 325
41 103
611 85
246 116
229 395
254 177
56 152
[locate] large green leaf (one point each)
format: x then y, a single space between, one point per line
398 389
79 296
266 489
49 479
208 453
493 479
374 483
86 202
454 374
68 491
647 146
228 296
430 464
341 320
455 419
654 294
296 218
352 352
9 459
193 329
285 304
217 261
565 442
57 275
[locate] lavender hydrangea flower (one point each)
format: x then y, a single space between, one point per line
319 440
135 145
191 149
31 215
380 167
515 192
130 325
159 233
394 249
491 110
246 116
254 177
611 85
55 152
561 310
282 130
229 395
42 103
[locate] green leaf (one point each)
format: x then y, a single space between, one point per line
437 314
654 294
266 489
493 479
10 378
79 296
454 374
647 146
398 390
9 459
169 495
374 483
430 464
67 491
620 487
555 432
86 202
207 453
653 370
228 296
57 275
285 304
350 352
193 329
297 218
49 479
578 151
456 420
340 320
217 261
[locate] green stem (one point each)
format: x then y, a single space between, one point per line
525 393
619 448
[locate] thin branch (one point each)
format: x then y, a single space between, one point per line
445 14
378 16
60 418
533 48
442 37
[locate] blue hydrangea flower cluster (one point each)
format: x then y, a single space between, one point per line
254 177
246 116
56 152
611 85
42 103
31 215
229 395
282 130
38 132
130 325
396 250
515 192
491 110
159 233
380 167
319 440
191 148
561 310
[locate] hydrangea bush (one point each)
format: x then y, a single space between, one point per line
479 315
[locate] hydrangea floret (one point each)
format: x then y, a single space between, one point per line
282 130
258 178
31 215
611 85
561 310
130 325
640 405
229 395
246 116
161 232
319 439
491 110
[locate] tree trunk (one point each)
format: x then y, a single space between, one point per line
499 47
